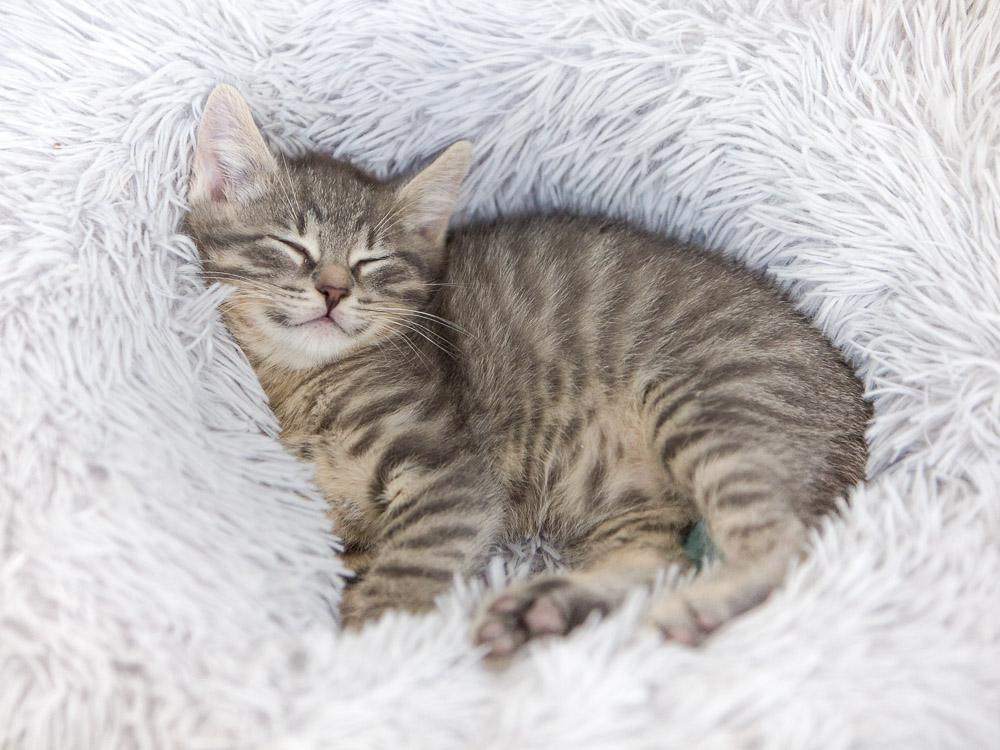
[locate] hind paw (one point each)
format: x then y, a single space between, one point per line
691 615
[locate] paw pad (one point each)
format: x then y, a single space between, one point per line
538 609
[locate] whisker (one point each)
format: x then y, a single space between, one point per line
391 213
429 316
255 294
252 294
421 326
233 274
414 349
245 304
285 182
237 309
430 340
258 288
246 301
394 346
424 333
392 225
238 277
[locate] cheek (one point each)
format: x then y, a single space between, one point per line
278 317
363 290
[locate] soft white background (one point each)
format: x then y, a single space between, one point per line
166 575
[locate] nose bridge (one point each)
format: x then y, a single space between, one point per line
329 277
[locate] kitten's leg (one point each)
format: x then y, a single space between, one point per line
442 514
757 554
356 560
623 551
758 493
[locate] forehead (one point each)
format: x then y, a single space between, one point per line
318 195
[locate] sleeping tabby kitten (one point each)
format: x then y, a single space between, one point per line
568 376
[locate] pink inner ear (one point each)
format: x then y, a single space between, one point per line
217 188
431 229
222 159
209 168
221 178
228 179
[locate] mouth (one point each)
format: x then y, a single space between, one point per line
321 323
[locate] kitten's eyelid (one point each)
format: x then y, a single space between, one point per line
361 263
301 249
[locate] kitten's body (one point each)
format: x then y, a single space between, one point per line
560 375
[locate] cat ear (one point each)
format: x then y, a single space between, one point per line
230 156
428 198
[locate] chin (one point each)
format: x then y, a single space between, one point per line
300 348
313 347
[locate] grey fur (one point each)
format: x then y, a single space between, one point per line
565 375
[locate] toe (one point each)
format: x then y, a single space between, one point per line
506 604
489 631
503 646
681 634
545 618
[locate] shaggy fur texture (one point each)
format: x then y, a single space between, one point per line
165 576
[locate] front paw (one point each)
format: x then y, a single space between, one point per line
544 607
364 603
372 598
359 606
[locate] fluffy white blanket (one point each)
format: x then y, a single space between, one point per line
166 575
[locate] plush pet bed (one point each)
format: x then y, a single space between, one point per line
167 579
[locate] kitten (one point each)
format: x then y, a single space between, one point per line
569 376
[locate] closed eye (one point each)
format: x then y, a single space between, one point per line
294 246
359 265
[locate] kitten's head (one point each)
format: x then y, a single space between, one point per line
324 258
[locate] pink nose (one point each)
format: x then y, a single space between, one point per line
333 295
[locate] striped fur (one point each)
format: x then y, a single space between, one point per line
561 375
